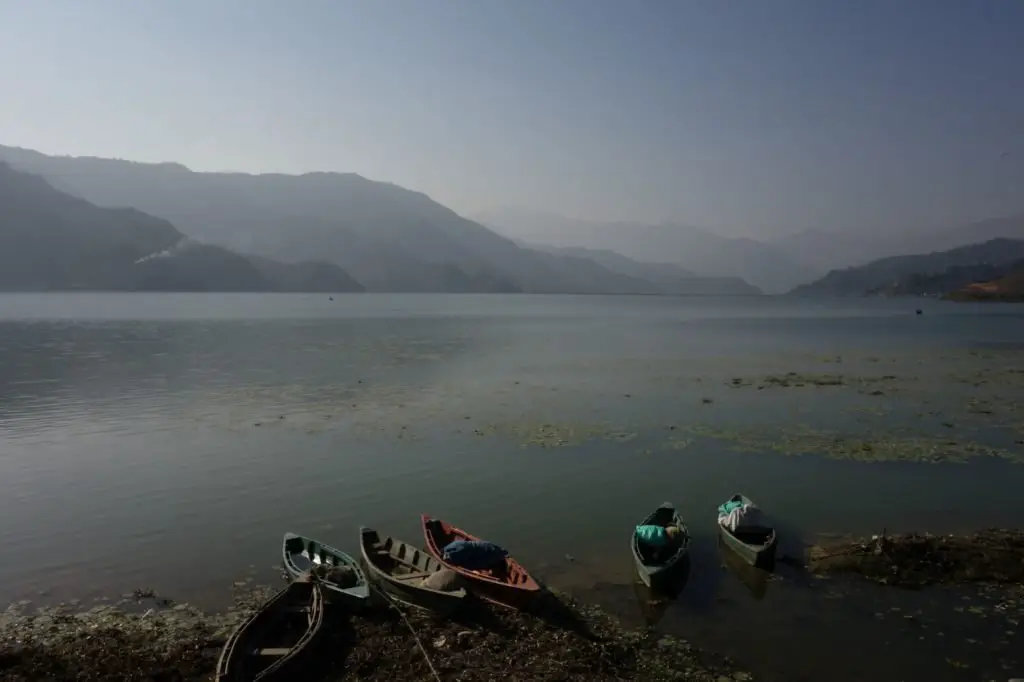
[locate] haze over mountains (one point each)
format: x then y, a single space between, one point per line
832 250
700 251
388 238
343 232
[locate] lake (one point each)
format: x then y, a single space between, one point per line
167 441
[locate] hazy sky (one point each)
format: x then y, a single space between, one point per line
744 117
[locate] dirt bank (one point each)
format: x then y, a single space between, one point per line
916 560
563 641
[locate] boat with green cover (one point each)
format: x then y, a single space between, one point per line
653 565
754 542
341 576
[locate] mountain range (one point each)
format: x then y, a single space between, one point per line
343 232
699 251
669 278
386 237
827 250
935 273
50 240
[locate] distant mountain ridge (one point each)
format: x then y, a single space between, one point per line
51 241
838 250
388 238
930 273
667 277
702 252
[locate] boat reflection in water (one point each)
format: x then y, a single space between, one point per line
755 579
655 601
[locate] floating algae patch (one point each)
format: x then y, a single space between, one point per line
556 434
802 380
803 440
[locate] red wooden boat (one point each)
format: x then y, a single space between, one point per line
508 585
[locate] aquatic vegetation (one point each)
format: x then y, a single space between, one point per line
556 434
805 379
802 440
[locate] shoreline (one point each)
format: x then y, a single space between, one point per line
145 636
149 637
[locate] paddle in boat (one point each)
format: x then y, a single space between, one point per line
654 565
409 575
741 528
342 578
509 584
269 644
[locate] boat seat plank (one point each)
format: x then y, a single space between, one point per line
273 651
413 576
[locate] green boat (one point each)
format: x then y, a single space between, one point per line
651 568
754 543
302 556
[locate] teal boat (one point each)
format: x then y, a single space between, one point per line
651 568
303 555
755 543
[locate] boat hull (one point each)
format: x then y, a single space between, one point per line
510 585
273 642
392 567
301 555
655 575
754 544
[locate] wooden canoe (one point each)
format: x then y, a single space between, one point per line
302 555
270 644
397 569
654 569
508 585
755 544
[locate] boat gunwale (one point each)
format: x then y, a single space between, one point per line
365 531
359 591
757 549
224 671
680 553
530 584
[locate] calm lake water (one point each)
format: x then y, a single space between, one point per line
169 440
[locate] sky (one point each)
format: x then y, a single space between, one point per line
748 118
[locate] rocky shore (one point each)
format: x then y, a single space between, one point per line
142 638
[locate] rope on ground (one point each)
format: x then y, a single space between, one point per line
415 636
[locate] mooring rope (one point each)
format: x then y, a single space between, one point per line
415 636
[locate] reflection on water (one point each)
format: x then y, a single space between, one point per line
655 601
138 432
755 579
